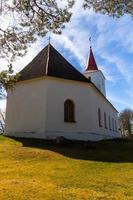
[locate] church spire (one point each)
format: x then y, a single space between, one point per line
91 65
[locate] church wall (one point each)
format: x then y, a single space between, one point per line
36 109
98 79
25 113
87 100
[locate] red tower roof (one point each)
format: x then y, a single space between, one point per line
91 65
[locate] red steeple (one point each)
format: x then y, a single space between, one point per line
91 65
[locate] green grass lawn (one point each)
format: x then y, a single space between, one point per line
33 171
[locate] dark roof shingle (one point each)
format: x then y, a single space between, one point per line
49 62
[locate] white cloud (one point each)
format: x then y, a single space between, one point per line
109 75
119 63
123 103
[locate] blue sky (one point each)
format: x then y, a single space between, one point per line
112 43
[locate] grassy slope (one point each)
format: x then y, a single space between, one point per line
62 173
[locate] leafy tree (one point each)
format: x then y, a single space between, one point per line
125 117
30 19
7 80
115 8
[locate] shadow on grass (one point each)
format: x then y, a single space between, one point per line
118 151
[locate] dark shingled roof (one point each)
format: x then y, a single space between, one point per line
49 62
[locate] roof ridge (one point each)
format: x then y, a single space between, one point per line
47 62
50 62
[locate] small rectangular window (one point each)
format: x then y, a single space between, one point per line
115 125
113 128
109 123
99 117
105 120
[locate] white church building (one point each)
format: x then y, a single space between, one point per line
53 99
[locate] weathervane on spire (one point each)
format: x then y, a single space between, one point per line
90 41
49 38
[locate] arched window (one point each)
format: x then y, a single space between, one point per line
69 111
105 120
99 117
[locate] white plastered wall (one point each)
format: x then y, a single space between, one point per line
25 112
36 109
98 79
87 100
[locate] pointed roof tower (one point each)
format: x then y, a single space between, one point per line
91 65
